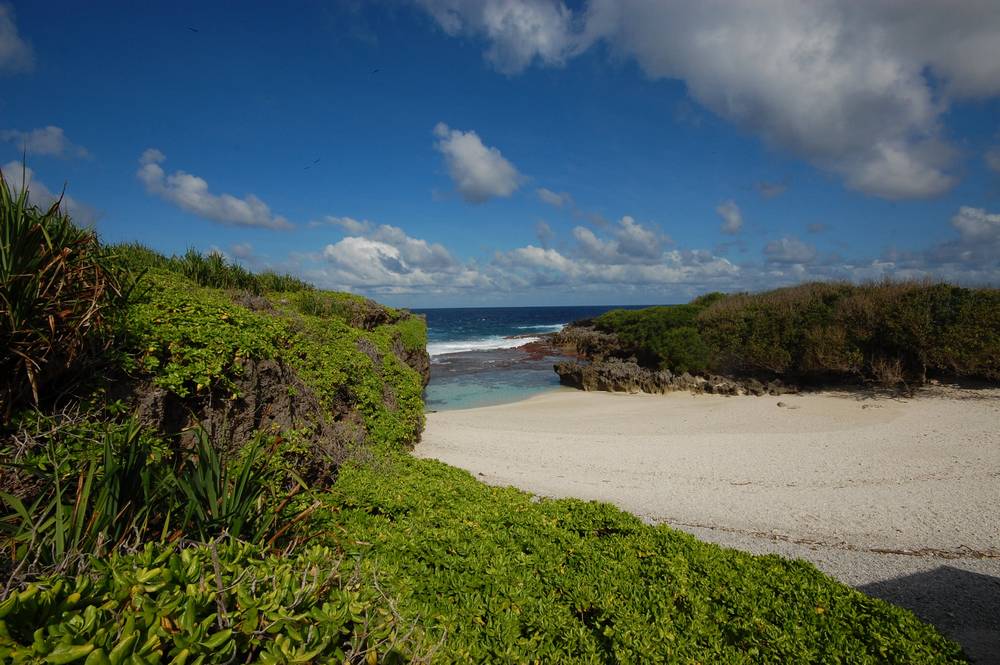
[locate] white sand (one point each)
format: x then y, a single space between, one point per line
885 494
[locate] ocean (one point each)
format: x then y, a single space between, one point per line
474 356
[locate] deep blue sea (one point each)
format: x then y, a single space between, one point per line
475 359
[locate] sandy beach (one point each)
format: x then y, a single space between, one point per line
899 497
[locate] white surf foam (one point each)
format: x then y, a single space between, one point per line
435 349
555 327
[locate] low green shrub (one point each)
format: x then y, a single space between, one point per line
890 332
341 362
662 337
206 604
413 333
193 341
506 577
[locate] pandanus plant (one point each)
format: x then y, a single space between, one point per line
58 295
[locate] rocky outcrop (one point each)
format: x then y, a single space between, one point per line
630 377
583 340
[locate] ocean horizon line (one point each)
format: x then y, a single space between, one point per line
499 307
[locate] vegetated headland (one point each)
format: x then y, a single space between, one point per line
201 464
894 335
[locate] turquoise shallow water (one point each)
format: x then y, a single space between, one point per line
486 378
476 359
471 392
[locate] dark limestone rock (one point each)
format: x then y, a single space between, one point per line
585 341
269 398
627 376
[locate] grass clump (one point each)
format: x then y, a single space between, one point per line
60 295
211 270
94 487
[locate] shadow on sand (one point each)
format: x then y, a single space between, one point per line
963 605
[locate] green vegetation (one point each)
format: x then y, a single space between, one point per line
196 340
208 270
199 341
133 540
507 578
105 486
663 336
59 296
890 332
419 561
204 604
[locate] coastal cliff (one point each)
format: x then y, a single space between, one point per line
343 372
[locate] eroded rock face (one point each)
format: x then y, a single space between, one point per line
271 398
418 359
630 377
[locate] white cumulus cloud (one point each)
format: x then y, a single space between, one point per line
544 232
975 224
789 250
16 55
47 141
385 259
732 218
519 31
348 224
629 241
859 89
479 172
191 194
531 266
557 199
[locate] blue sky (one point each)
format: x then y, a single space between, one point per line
506 152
